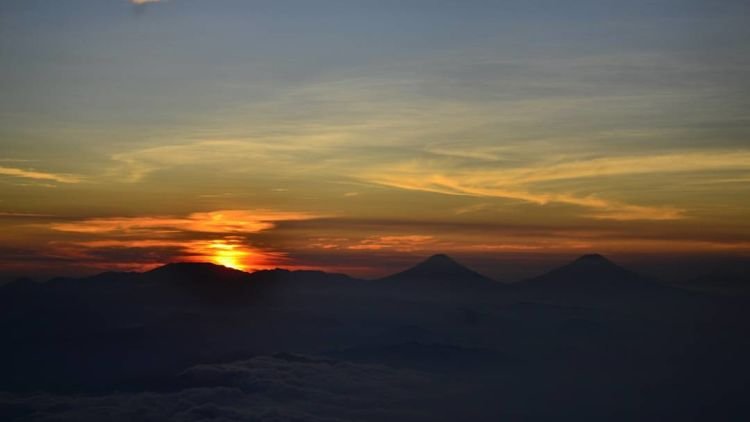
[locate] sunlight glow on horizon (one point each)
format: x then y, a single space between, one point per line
346 135
230 255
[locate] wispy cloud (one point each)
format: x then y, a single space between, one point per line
407 243
634 165
229 155
16 160
468 209
39 175
30 215
376 131
524 183
140 6
226 221
482 186
143 2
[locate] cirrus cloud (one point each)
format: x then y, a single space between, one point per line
39 175
531 183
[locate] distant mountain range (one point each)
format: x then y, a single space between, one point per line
590 273
591 280
440 273
584 339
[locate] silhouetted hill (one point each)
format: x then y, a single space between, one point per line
593 280
439 268
200 283
439 277
590 272
194 272
175 284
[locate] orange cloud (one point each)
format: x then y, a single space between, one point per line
406 243
216 236
227 221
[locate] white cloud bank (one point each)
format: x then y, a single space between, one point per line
283 387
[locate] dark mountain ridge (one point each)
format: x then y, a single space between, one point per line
528 342
589 274
439 277
439 268
596 282
592 271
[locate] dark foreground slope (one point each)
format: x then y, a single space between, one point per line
196 342
730 280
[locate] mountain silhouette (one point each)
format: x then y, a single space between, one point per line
194 271
182 283
439 277
439 268
590 323
591 266
591 272
593 280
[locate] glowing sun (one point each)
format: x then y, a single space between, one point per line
229 255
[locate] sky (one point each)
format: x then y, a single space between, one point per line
360 136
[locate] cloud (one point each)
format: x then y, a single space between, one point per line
145 2
531 183
369 127
482 186
469 209
283 387
216 236
634 165
474 174
224 222
39 175
29 215
526 173
228 155
406 243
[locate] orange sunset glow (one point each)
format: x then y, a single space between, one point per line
230 256
374 210
278 155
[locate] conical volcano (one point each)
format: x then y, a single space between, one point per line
590 273
440 268
593 265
